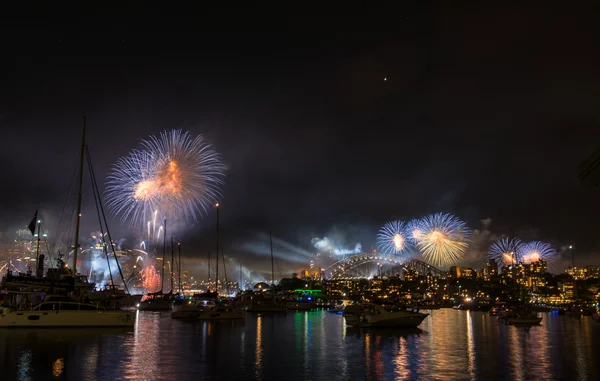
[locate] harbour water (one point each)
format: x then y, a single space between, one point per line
450 345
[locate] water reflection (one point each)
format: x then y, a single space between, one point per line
57 367
142 362
450 345
470 344
24 366
258 362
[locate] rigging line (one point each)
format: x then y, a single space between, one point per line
63 210
225 270
112 282
112 245
61 234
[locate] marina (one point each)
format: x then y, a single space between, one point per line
449 344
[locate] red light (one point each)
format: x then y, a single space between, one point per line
374 250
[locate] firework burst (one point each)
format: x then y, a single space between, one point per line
506 251
535 250
444 239
393 238
174 172
150 279
414 230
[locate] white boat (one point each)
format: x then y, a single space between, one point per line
63 312
368 315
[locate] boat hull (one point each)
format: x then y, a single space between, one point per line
67 319
396 322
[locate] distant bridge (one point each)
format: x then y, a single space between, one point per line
344 266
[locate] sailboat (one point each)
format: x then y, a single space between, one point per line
33 309
159 301
268 305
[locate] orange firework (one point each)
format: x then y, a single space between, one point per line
150 279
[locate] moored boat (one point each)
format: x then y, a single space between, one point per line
368 315
63 312
156 302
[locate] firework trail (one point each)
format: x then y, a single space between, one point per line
535 250
174 172
393 238
506 251
444 239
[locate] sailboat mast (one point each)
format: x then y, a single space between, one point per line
272 268
78 212
37 253
217 272
162 275
179 266
172 270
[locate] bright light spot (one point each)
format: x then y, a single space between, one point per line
385 79
398 241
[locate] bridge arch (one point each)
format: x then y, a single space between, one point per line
345 265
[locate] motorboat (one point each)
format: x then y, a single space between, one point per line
156 302
337 308
522 316
113 297
64 312
494 311
368 315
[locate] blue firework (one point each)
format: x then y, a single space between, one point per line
506 250
393 238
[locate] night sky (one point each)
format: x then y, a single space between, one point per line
483 113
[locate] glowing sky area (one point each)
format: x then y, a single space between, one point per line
453 112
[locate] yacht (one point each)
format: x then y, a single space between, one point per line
156 302
271 305
521 315
301 303
63 312
191 310
368 315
